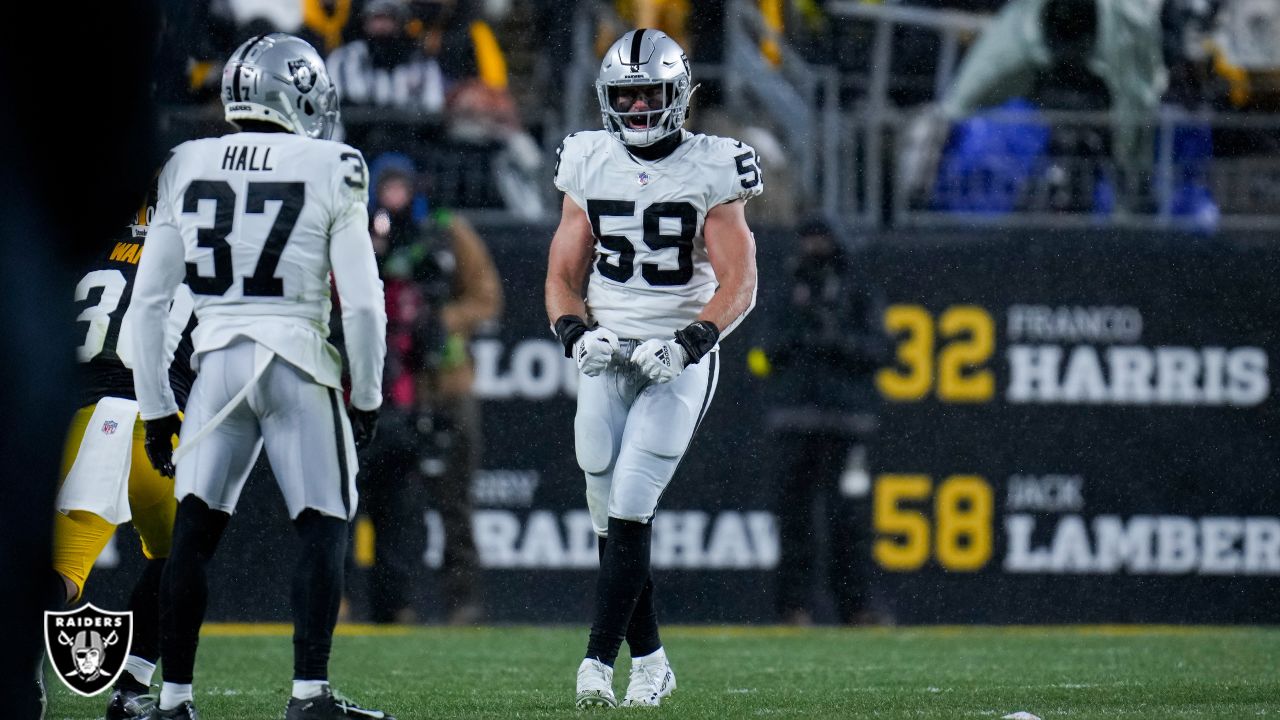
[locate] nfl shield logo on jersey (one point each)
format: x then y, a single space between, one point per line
88 646
643 178
109 427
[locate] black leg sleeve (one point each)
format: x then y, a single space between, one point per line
624 571
184 585
317 592
642 632
145 605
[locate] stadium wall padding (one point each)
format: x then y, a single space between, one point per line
1079 426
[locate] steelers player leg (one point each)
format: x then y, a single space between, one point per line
208 484
309 442
80 535
659 428
603 402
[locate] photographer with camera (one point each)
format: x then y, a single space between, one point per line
441 285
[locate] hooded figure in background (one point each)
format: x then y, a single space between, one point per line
818 362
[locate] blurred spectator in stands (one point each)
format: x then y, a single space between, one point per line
1245 47
383 66
1107 48
480 110
418 56
426 57
441 286
818 361
326 24
397 203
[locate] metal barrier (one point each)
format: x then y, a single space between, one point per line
1071 181
797 100
1069 178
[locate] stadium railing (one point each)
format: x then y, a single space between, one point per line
1025 168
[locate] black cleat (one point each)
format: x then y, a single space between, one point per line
185 711
130 700
327 706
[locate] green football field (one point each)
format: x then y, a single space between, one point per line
741 673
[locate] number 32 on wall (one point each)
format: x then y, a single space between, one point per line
956 366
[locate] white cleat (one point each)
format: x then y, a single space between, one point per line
651 680
595 685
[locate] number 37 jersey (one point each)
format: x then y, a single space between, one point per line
651 275
253 223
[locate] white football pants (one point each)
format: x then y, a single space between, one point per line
303 424
630 434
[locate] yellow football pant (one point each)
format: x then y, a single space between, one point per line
79 536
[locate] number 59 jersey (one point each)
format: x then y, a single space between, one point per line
257 213
651 275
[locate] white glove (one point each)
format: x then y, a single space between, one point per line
660 360
595 349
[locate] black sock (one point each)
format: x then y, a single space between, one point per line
642 631
184 585
317 592
624 569
145 605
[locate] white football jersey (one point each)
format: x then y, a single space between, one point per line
651 275
262 219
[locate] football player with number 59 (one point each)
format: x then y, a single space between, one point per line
651 266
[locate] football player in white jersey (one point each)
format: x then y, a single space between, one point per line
254 222
652 264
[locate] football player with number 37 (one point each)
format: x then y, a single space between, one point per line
651 266
254 222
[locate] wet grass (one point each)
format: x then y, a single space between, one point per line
740 672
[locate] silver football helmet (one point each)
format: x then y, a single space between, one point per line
644 87
280 79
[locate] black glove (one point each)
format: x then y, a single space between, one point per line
159 442
364 426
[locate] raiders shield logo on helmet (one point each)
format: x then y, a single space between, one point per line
88 646
304 78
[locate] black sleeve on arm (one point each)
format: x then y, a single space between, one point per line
698 338
568 329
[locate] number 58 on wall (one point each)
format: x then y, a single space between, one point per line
959 535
